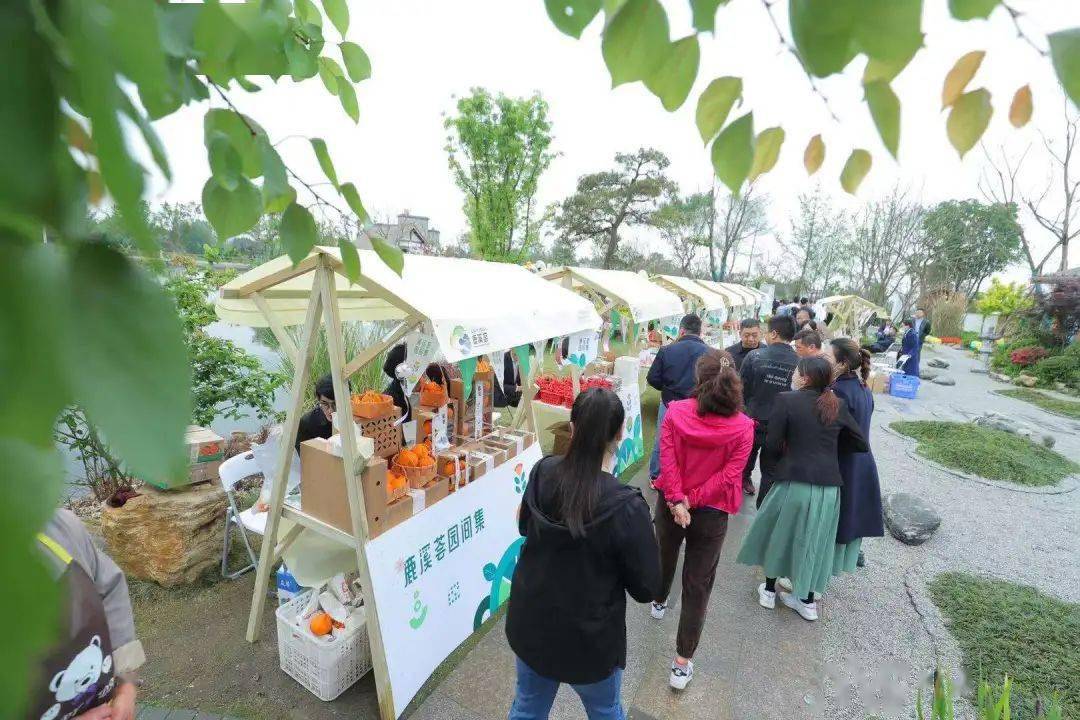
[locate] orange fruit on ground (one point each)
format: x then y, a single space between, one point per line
321 624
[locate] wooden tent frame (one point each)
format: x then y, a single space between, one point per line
323 309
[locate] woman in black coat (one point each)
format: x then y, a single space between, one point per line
860 495
588 542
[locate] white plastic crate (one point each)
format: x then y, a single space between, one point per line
327 669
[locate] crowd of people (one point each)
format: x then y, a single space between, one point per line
783 399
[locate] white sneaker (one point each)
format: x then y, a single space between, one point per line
784 584
657 610
808 611
765 598
681 675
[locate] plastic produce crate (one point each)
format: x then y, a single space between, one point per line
327 669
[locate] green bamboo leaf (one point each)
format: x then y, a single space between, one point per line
347 94
389 254
572 16
889 30
329 72
971 9
968 119
814 155
855 169
231 212
634 38
1065 53
120 306
352 197
885 109
714 105
338 12
308 12
298 232
225 163
322 154
733 152
673 76
766 151
277 194
705 14
357 63
823 33
350 258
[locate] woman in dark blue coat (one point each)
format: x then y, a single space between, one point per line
860 495
910 345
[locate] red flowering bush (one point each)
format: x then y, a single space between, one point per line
1027 356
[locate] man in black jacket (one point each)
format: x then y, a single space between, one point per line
749 340
765 373
672 373
316 423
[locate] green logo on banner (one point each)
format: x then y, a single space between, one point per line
419 610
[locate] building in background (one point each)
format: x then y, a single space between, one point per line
411 233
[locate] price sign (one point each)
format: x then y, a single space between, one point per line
421 349
439 438
478 411
583 347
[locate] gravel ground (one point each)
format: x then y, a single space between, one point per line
884 636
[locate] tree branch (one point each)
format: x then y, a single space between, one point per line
791 49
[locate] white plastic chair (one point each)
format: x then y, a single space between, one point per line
231 472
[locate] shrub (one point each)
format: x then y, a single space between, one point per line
1027 356
947 314
1063 368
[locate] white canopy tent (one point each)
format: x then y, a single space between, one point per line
850 313
620 288
694 295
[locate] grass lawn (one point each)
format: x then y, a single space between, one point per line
1068 408
988 453
1008 629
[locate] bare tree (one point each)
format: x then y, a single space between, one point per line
684 224
737 218
818 236
885 236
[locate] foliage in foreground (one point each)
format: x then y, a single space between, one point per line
986 452
1010 630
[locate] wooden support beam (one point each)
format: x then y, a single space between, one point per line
279 330
304 266
372 352
286 542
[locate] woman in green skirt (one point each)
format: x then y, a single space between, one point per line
794 532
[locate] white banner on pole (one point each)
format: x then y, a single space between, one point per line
438 576
421 349
583 347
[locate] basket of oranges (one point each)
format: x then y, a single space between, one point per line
371 404
432 394
397 484
416 464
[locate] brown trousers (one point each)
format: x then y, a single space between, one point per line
704 538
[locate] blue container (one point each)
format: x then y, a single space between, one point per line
904 386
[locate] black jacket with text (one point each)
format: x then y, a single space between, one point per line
766 372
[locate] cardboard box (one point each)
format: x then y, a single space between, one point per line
464 418
384 431
481 458
508 447
323 494
523 439
560 431
206 452
878 382
430 494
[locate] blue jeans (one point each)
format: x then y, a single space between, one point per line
535 695
654 459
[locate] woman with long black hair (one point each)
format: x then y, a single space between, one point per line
588 542
860 495
794 531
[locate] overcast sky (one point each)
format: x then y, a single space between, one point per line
425 52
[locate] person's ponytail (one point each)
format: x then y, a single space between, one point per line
851 358
718 389
827 407
864 366
596 417
816 371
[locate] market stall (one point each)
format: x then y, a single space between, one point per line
420 534
850 314
700 300
743 302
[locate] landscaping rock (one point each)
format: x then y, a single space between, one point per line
168 536
943 380
1000 377
980 370
928 376
1061 387
910 519
937 363
996 421
1028 381
1049 441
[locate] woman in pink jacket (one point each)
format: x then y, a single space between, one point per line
704 443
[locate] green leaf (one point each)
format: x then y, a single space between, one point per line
634 38
307 11
338 12
968 119
298 232
388 253
129 364
673 76
357 63
216 40
572 16
149 135
277 194
814 155
322 154
136 44
705 14
855 169
225 164
733 152
347 94
1065 53
971 9
231 212
883 70
958 77
350 258
303 60
889 30
766 151
823 33
714 105
329 72
238 129
885 109
352 197
249 86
